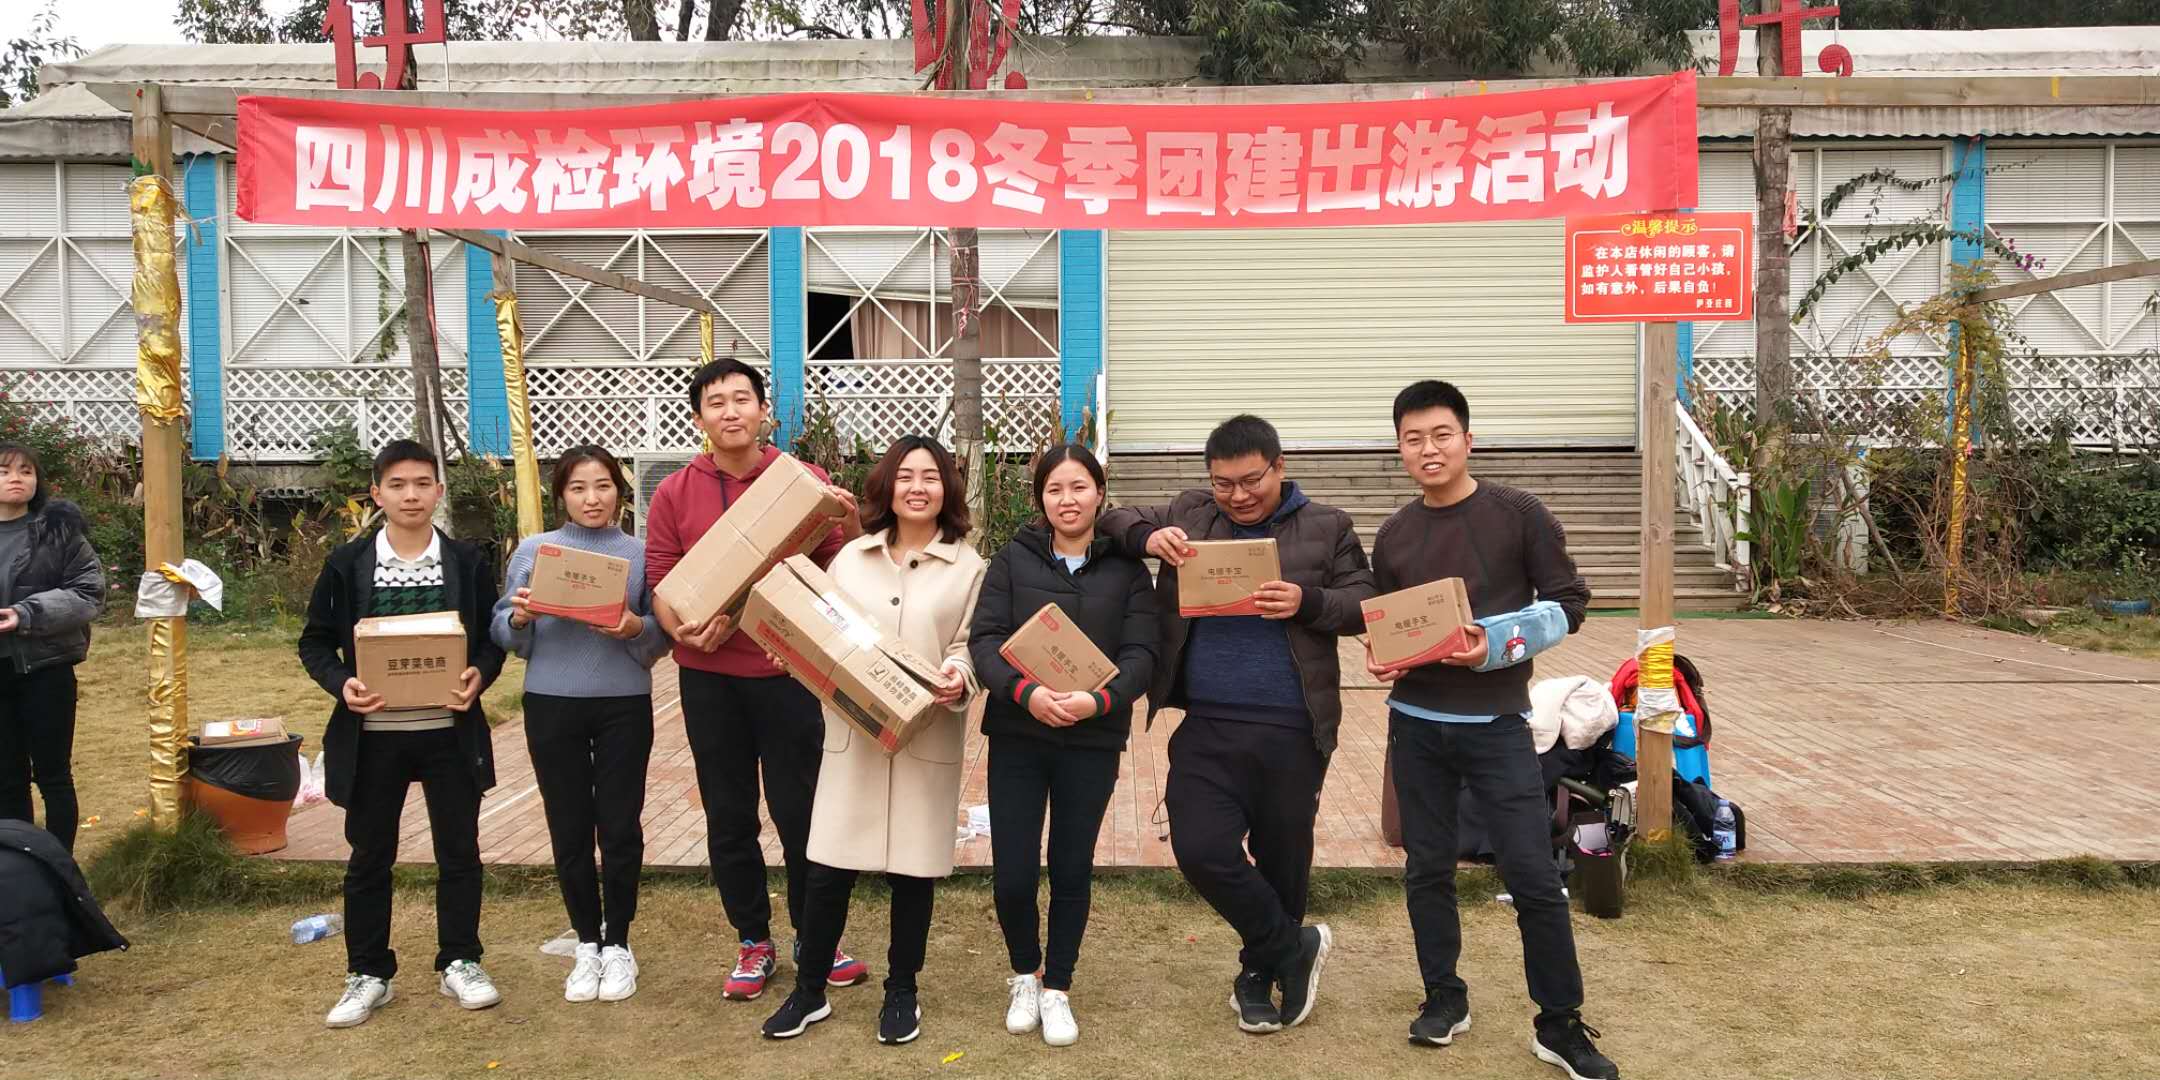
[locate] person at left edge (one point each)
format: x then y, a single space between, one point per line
373 755
739 713
51 589
913 573
589 722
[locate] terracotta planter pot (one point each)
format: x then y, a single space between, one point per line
267 777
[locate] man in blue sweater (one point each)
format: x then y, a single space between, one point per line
1263 699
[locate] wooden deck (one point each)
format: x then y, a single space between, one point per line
1845 742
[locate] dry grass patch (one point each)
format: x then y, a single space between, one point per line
1715 983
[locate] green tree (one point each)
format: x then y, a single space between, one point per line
21 57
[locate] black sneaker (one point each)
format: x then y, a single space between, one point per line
901 1019
1443 1017
796 1015
1566 1043
1252 997
1300 979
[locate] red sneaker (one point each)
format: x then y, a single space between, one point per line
753 966
846 970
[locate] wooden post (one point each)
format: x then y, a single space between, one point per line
1653 747
1773 278
156 295
966 254
1960 444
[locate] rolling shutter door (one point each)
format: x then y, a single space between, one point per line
1317 329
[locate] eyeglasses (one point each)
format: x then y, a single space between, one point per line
1250 485
1417 441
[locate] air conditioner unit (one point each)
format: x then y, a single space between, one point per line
648 470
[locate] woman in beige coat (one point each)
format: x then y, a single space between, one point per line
913 572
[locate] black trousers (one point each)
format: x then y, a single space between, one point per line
824 920
1434 762
37 744
589 757
1234 787
389 763
738 726
1026 778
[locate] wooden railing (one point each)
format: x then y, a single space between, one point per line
1717 495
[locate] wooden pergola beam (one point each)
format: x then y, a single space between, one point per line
2142 268
511 249
195 107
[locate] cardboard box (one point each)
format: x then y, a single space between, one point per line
1419 625
786 511
1223 575
1049 649
239 733
798 614
582 585
413 661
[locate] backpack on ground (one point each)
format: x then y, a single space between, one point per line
1687 684
1695 816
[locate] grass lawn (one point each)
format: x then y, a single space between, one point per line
1714 981
232 674
1718 983
2129 635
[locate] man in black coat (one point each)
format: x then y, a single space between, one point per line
374 755
47 917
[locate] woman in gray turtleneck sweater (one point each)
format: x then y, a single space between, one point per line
589 723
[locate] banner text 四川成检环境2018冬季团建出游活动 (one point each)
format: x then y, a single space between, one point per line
872 159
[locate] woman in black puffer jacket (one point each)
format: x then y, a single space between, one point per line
1051 750
51 588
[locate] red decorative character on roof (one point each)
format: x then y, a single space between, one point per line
1789 16
982 61
396 41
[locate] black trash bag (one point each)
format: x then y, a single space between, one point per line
270 772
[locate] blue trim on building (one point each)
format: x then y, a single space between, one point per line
1686 371
1080 326
784 273
1968 196
486 396
206 347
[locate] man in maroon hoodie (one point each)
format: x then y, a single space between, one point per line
739 711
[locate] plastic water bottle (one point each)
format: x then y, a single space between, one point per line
317 927
1725 828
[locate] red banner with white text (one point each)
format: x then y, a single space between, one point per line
871 159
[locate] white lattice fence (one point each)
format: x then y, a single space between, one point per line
2099 400
623 406
879 400
276 412
100 400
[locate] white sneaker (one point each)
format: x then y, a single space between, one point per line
363 995
618 973
1058 1026
1025 1012
584 981
465 981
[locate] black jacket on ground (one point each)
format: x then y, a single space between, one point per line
57 587
326 649
47 917
1110 599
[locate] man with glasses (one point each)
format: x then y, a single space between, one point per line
1462 723
1262 700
